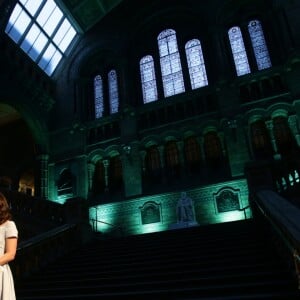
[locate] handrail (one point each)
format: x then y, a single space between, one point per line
107 223
39 251
96 220
277 228
244 209
44 236
289 240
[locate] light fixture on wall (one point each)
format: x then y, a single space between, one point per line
127 149
232 124
76 126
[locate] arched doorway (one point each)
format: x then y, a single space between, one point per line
17 149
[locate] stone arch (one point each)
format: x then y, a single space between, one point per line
25 136
95 155
189 133
150 141
171 135
279 110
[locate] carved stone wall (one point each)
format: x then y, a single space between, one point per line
214 203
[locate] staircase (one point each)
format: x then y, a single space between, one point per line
231 261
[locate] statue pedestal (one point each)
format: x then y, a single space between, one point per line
180 225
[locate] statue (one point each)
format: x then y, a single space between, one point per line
185 209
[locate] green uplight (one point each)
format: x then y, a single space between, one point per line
231 216
155 227
103 219
223 202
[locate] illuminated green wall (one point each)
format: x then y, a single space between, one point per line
210 204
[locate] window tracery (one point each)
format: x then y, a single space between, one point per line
148 79
98 94
238 51
259 45
170 63
196 64
113 91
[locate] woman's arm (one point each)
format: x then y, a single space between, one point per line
10 250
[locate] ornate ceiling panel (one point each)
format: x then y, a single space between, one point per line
88 12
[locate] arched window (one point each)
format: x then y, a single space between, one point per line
284 137
213 149
259 45
238 51
100 101
153 164
148 79
99 178
116 177
172 160
170 64
261 142
192 154
113 92
196 64
98 96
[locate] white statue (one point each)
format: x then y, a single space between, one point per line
185 209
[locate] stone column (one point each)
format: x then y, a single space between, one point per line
180 146
202 151
41 183
52 194
132 169
293 123
222 141
161 150
91 171
106 178
81 185
142 158
270 127
236 141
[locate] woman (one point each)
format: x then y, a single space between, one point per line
8 249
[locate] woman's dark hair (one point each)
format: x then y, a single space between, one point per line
4 209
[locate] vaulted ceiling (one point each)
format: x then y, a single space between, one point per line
87 13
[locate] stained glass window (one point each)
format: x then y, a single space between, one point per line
196 64
170 63
238 51
113 92
42 31
148 79
98 95
259 45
